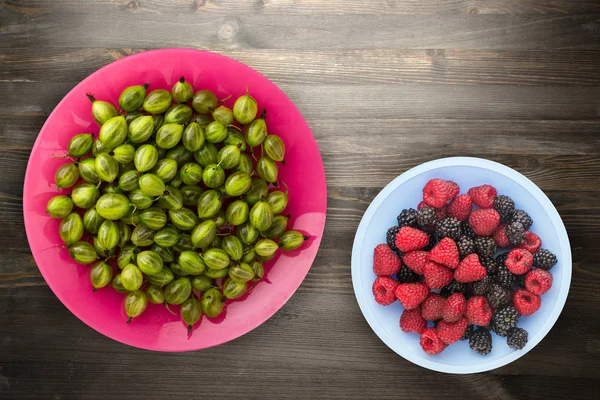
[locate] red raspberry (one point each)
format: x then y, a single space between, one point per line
445 253
431 308
532 242
470 269
440 213
412 321
436 192
411 294
437 276
526 302
409 239
450 332
460 207
421 205
431 342
483 195
454 189
385 261
478 311
519 261
538 281
484 221
454 308
383 290
500 238
416 260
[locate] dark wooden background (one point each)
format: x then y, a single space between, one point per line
384 85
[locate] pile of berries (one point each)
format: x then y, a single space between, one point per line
463 266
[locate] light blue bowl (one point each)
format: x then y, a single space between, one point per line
406 191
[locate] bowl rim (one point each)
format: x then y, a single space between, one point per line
27 195
510 173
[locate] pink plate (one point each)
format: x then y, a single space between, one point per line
157 329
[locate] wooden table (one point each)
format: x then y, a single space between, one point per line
385 85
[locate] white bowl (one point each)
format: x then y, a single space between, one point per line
406 191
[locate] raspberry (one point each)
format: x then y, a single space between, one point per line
516 338
522 217
532 242
515 233
426 216
437 192
498 295
538 281
478 311
431 308
450 332
481 341
431 342
483 195
436 276
412 321
408 217
481 288
441 212
519 261
454 189
383 290
505 206
448 227
466 246
526 302
409 239
505 277
411 294
460 207
454 308
385 261
416 260
390 238
505 319
484 221
469 269
485 246
445 253
500 238
453 287
544 259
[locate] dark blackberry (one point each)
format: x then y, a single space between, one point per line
500 258
432 241
481 341
390 238
490 265
517 338
498 296
522 217
505 277
466 229
453 287
406 275
505 319
520 281
465 245
515 233
448 227
482 287
544 259
505 206
408 217
468 332
485 246
426 216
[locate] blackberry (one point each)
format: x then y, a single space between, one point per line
448 227
505 206
544 259
466 229
482 287
505 319
515 233
481 341
505 277
517 338
406 275
485 246
432 241
465 245
498 296
426 216
490 265
390 238
522 217
468 332
500 258
453 287
408 217
520 281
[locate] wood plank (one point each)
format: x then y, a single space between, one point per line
348 67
